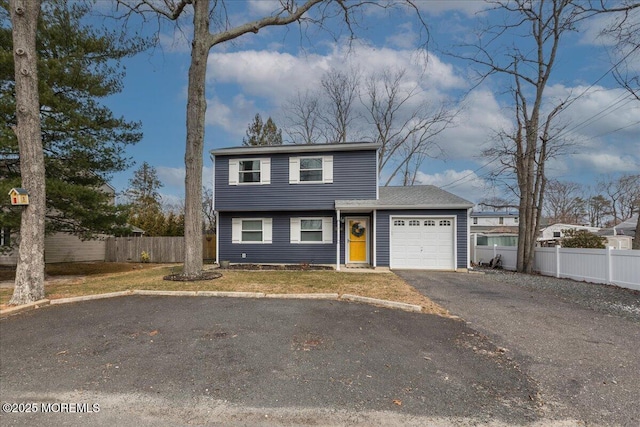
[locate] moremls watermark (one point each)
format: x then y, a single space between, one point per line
50 408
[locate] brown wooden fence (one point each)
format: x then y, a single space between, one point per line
159 249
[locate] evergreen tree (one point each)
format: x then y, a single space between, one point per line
259 133
83 141
145 208
582 239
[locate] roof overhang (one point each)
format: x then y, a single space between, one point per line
296 148
355 205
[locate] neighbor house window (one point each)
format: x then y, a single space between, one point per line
249 171
318 169
5 236
501 220
251 230
475 221
312 230
515 220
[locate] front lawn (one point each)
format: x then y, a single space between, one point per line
385 286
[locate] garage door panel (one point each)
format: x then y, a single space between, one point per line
422 243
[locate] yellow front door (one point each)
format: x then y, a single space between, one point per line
358 231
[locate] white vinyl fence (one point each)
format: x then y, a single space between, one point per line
609 266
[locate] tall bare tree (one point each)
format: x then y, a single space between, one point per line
204 11
598 207
624 32
539 28
395 113
29 282
403 122
564 202
623 194
302 115
341 90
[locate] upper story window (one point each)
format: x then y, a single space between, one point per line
249 171
251 230
475 221
515 220
317 169
501 220
311 169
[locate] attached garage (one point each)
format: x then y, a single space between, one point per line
419 227
422 242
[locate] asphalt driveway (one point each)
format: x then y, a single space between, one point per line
147 360
580 342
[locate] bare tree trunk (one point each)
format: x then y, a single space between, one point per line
29 282
196 109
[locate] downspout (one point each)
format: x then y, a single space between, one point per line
375 234
468 241
213 206
337 239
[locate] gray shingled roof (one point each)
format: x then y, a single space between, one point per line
414 197
626 228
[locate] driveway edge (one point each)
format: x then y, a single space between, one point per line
318 296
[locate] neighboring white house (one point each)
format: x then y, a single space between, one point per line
480 221
551 235
493 228
621 236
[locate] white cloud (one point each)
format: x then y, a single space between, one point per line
605 163
233 118
170 177
405 38
466 183
179 41
263 7
438 7
475 127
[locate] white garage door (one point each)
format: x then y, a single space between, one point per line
422 243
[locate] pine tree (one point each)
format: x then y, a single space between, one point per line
259 133
83 142
145 208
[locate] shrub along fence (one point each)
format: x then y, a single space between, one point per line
158 249
608 266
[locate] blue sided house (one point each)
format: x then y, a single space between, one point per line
321 204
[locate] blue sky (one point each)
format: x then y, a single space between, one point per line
258 73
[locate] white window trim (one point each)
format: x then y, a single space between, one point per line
236 231
265 171
296 231
327 170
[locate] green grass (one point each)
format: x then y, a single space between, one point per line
97 280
